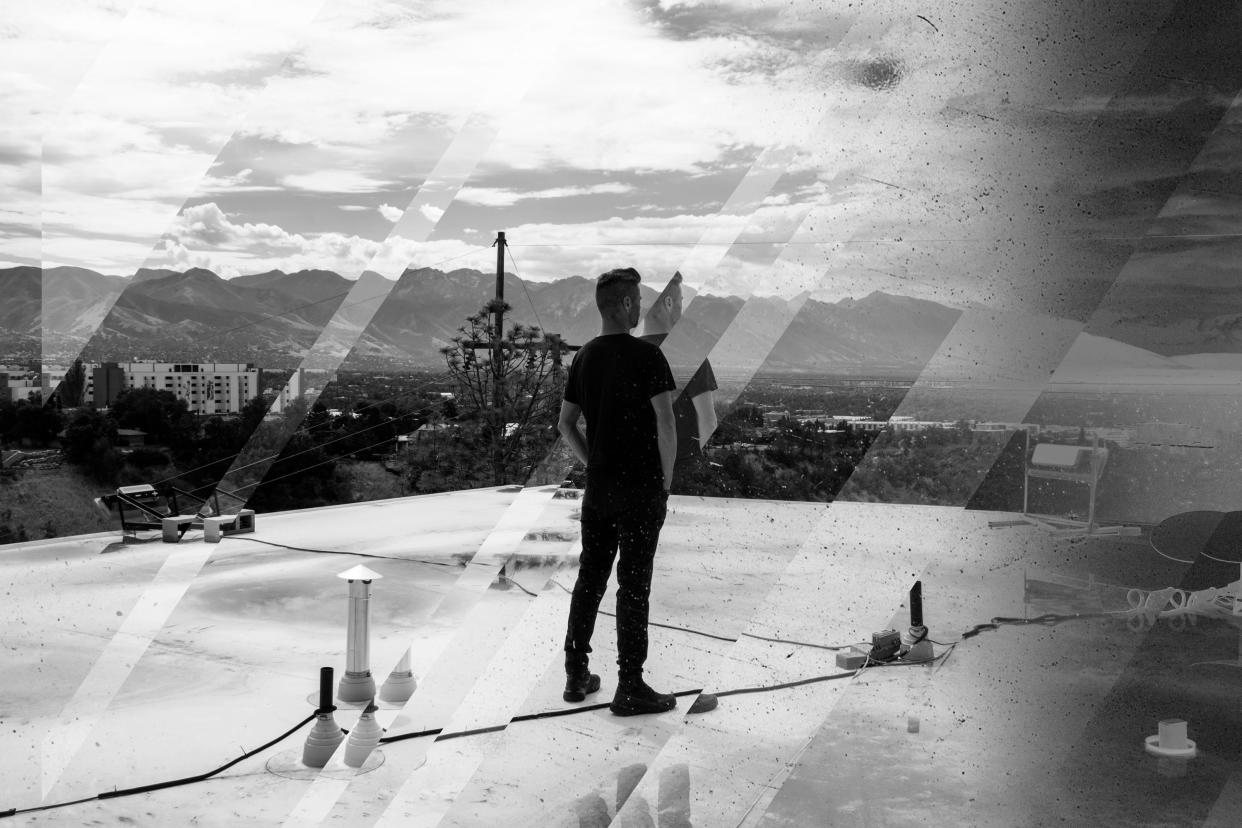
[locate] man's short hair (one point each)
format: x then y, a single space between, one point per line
615 285
674 284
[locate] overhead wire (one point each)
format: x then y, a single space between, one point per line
522 282
307 429
313 465
268 481
901 240
312 448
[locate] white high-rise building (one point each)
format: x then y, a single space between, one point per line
207 387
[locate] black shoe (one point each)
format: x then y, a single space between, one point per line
578 687
579 681
637 699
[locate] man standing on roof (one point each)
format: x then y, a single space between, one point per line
623 387
694 408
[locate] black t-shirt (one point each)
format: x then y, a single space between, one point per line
703 380
612 379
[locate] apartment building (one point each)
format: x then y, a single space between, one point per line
207 387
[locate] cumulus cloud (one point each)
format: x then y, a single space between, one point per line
206 236
431 212
390 213
207 224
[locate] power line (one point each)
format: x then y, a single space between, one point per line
307 429
522 282
895 240
305 468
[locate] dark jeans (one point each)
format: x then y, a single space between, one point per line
635 533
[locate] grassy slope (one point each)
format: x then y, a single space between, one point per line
60 495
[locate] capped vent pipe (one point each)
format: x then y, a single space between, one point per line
326 735
357 685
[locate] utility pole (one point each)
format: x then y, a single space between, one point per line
498 377
551 344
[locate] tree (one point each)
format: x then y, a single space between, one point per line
89 432
8 419
72 386
159 413
253 412
35 423
508 392
9 534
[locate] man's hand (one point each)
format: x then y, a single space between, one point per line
568 426
666 434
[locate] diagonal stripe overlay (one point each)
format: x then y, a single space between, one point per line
117 661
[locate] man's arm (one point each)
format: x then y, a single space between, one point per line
666 434
568 426
705 414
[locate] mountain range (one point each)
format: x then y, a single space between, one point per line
273 318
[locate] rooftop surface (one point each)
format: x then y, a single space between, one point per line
129 664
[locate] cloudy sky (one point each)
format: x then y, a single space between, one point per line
962 152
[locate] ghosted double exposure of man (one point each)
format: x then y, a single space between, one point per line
694 409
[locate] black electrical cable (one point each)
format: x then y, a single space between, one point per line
437 732
442 736
685 629
721 637
587 708
797 643
202 777
515 582
342 552
1046 620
